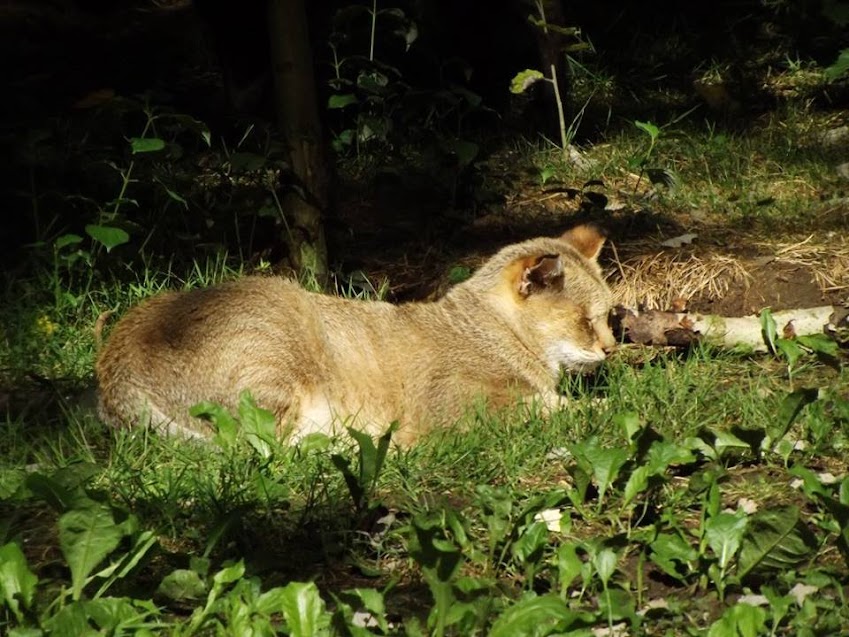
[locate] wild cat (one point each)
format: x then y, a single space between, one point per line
316 361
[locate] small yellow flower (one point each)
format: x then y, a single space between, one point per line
44 325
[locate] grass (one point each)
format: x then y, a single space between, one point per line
697 492
778 173
288 516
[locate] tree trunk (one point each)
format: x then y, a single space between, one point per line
297 115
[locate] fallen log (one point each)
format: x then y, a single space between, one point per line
656 327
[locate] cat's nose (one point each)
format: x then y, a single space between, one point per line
607 342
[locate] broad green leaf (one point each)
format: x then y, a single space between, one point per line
192 124
226 426
342 141
372 81
466 151
790 350
229 574
663 453
724 533
530 545
458 274
21 631
258 424
17 582
820 343
546 173
778 603
122 566
630 423
790 409
740 620
108 236
367 454
382 449
355 489
569 565
67 240
370 600
182 584
524 79
87 536
70 621
63 490
811 484
617 604
314 442
603 464
112 614
173 195
638 482
843 493
341 101
769 331
650 129
775 540
439 559
840 67
304 610
534 616
726 440
669 549
146 144
604 562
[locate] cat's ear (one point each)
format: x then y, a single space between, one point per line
540 273
587 239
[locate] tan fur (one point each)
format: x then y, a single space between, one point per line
318 361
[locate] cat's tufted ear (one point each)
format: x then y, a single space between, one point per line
587 239
540 273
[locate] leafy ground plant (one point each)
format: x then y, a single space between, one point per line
700 492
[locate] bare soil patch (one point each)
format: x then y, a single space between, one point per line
722 270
